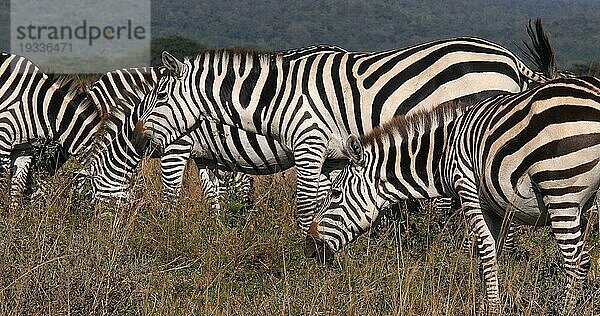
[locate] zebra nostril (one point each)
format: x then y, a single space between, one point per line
139 127
316 248
311 247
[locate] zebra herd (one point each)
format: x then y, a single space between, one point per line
461 118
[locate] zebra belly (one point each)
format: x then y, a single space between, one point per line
232 149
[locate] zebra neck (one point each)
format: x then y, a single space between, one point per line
241 86
406 175
409 162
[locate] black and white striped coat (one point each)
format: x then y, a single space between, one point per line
213 147
534 153
216 148
35 107
312 104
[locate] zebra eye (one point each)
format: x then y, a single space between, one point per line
162 95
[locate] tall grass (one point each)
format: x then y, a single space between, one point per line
61 255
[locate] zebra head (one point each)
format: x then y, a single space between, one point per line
398 160
166 116
115 158
351 206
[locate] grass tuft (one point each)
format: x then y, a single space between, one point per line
60 254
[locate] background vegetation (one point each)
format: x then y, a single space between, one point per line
374 25
61 255
573 25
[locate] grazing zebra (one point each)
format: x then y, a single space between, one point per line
113 166
235 150
312 104
35 107
536 153
214 147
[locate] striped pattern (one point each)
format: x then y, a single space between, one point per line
538 153
535 153
214 147
115 159
312 104
38 109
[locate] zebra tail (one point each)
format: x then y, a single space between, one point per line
540 53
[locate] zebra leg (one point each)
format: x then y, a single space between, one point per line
309 159
486 244
323 189
172 167
509 242
211 188
443 205
20 176
5 163
245 183
565 219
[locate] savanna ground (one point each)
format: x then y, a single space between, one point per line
60 254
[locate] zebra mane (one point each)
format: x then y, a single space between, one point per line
79 98
124 108
404 126
235 53
74 89
121 115
131 99
69 85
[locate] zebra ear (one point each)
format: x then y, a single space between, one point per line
354 150
173 64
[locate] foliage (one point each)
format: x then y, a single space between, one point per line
4 25
573 26
589 69
62 255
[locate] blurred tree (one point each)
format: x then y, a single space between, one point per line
4 25
572 25
590 69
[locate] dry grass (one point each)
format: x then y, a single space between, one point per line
59 256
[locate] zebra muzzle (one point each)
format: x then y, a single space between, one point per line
140 139
314 247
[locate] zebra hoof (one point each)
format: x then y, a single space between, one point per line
315 248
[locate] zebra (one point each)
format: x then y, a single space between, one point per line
113 166
217 149
211 146
38 108
531 156
312 104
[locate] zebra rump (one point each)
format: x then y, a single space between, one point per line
36 108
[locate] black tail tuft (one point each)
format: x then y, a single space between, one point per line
540 53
